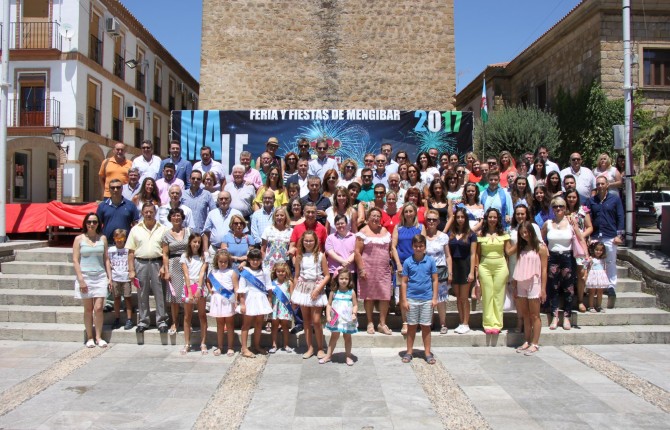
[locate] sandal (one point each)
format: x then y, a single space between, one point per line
403 330
102 343
350 362
272 350
172 331
203 349
320 355
230 352
185 349
582 308
307 355
566 323
248 354
384 329
90 343
523 347
593 310
371 328
532 350
407 357
444 329
554 324
324 360
216 352
430 359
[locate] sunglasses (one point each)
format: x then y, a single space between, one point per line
369 161
114 188
575 159
146 147
432 220
349 167
91 221
558 207
332 178
366 176
291 159
460 172
238 223
321 149
401 157
303 146
379 193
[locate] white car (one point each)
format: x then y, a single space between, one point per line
651 203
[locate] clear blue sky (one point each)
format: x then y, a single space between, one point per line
487 31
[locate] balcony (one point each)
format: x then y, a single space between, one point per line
171 103
139 81
93 120
119 66
35 35
158 94
117 129
95 49
139 137
33 113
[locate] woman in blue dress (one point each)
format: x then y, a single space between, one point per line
237 242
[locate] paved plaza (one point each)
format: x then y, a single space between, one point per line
151 386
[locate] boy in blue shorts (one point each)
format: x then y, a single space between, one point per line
418 296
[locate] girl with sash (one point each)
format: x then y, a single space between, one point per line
194 267
222 282
341 314
253 299
282 311
311 278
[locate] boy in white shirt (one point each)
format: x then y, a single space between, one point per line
120 282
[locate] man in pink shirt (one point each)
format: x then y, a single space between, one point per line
164 183
251 176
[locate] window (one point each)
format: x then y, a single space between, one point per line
93 107
541 95
119 60
139 130
117 117
52 166
158 84
21 176
656 67
139 72
95 42
171 91
32 104
157 134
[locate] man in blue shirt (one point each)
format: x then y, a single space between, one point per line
607 217
418 296
199 200
263 216
183 167
116 212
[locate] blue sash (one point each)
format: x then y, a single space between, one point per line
283 299
220 288
254 281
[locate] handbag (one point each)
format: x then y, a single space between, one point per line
509 304
442 274
577 250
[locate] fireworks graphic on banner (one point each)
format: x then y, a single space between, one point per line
440 140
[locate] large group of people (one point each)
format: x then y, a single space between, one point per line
286 238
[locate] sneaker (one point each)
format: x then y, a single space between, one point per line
129 325
116 324
464 329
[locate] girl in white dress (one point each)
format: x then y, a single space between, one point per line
194 266
223 282
282 313
254 302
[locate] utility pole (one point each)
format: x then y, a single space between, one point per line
628 120
4 93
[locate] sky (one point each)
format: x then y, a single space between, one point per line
487 31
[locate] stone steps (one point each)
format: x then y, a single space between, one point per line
587 335
74 315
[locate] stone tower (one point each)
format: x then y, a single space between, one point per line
335 54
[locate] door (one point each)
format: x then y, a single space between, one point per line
32 105
36 31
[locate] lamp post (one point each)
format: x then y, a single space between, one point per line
145 64
58 137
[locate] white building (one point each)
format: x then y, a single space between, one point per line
70 67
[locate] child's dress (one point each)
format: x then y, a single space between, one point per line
279 310
597 278
310 275
256 302
194 265
220 306
343 308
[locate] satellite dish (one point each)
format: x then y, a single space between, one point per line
66 31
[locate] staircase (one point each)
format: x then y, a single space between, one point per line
37 303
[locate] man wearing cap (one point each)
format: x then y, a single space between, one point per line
271 147
322 163
209 164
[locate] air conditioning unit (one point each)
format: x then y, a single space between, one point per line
132 113
194 97
113 26
181 87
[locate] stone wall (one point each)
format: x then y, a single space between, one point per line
327 54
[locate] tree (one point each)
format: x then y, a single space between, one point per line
517 129
654 145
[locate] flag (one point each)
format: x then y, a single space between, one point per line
484 105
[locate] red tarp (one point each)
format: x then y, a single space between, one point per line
35 217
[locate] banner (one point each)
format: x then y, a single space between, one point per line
351 133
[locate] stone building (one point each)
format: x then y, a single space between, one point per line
338 54
92 69
586 44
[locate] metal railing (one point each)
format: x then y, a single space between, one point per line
33 113
117 129
35 35
95 49
119 66
93 120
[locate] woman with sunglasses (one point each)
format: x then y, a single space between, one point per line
413 179
401 157
275 184
291 163
437 246
237 242
92 276
461 174
348 170
558 234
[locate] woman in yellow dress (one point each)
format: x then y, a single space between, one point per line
275 183
492 245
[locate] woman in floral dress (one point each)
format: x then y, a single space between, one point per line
276 239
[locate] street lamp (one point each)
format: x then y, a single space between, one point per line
132 64
58 137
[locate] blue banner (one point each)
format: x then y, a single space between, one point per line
351 133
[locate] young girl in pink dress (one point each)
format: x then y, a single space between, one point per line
597 280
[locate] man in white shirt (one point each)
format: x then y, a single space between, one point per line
380 175
584 177
322 163
391 165
175 202
549 166
147 163
242 193
208 164
301 177
133 185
